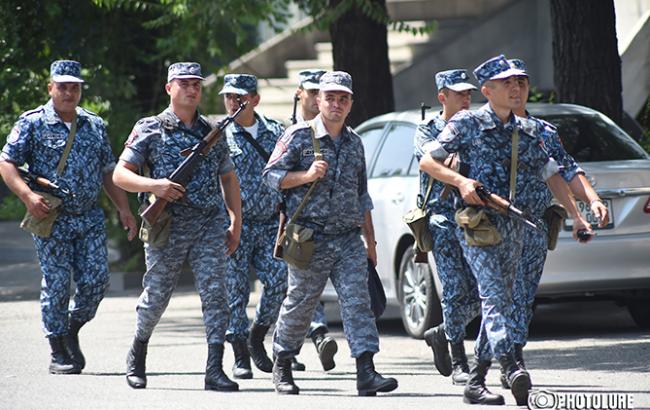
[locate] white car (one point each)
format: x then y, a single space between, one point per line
614 265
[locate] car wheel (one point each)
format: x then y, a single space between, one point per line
419 303
640 312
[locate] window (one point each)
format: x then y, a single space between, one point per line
371 139
591 138
396 152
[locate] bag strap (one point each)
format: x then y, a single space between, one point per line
68 146
428 194
513 163
317 155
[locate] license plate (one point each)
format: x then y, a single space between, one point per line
585 210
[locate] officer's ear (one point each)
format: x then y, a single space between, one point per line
486 89
168 88
442 97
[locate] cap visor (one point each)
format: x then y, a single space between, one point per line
66 79
232 90
186 76
458 87
335 87
509 73
307 85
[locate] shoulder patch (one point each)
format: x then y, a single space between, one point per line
36 110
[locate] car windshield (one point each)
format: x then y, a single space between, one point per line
591 138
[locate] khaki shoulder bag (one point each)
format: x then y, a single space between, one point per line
43 227
295 243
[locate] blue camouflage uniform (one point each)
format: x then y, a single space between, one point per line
198 222
77 245
309 81
335 211
478 136
460 303
259 228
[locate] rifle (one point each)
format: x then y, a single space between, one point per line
423 110
294 119
504 206
28 177
182 174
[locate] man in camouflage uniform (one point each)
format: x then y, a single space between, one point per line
483 140
325 345
77 244
251 138
535 242
460 302
337 212
197 220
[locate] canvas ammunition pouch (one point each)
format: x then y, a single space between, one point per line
417 220
295 244
479 230
156 235
43 227
554 217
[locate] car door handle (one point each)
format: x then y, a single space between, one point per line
398 198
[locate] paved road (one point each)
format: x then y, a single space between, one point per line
578 347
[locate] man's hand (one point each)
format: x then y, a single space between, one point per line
317 170
372 252
578 224
468 192
599 209
232 240
37 206
167 190
128 223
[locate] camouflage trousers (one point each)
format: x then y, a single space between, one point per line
76 249
527 279
460 301
197 237
494 268
342 259
255 252
318 321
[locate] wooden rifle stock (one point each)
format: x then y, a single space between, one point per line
277 248
182 174
42 181
494 201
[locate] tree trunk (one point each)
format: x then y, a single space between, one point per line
360 47
587 67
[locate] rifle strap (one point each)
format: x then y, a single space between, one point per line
513 163
265 155
428 194
68 146
316 144
449 163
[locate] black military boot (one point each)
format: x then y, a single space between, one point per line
475 390
437 341
241 369
326 347
519 360
257 350
460 372
61 362
296 365
72 343
215 378
518 379
369 382
282 377
136 360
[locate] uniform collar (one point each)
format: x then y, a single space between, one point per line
489 119
169 115
261 123
51 117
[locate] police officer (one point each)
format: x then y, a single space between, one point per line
77 245
337 212
460 302
251 138
325 345
535 242
484 140
196 230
